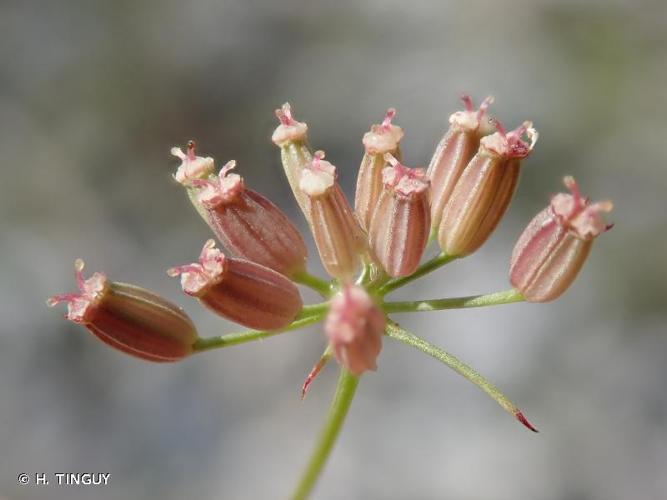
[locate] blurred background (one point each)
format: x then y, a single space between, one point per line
94 94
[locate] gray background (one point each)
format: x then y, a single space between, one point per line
93 95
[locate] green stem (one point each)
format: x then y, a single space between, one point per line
427 267
308 315
489 299
347 385
321 286
396 332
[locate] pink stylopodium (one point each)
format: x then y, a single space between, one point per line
368 252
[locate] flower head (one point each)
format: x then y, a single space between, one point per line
467 189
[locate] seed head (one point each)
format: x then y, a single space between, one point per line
455 150
338 236
239 290
128 318
483 192
552 249
383 138
401 222
249 225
